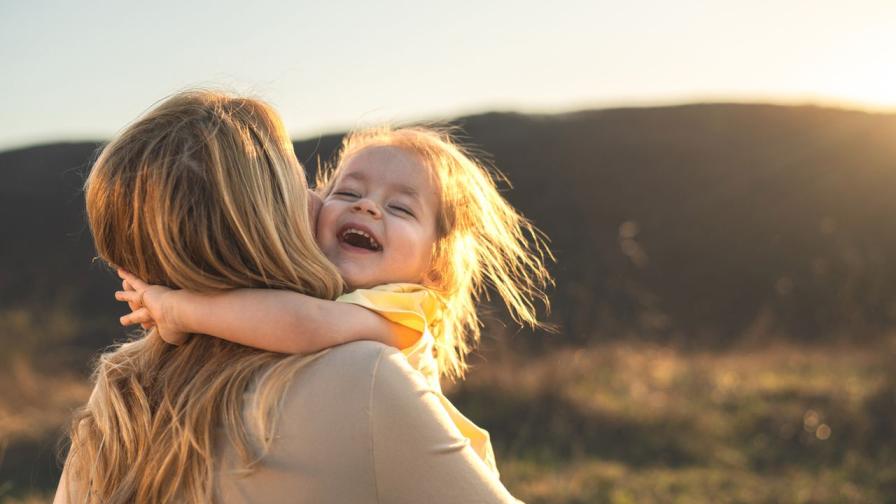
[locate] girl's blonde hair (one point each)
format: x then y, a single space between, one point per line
482 241
204 193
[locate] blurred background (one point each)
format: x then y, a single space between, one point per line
717 180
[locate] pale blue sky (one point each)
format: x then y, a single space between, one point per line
83 69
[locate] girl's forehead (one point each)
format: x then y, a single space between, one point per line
390 165
384 156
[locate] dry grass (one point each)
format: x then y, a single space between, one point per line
36 404
645 423
624 423
34 411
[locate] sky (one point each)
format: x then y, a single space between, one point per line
83 70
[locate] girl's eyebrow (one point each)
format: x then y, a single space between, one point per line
408 190
356 175
405 189
411 192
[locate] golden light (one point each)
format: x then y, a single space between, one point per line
859 70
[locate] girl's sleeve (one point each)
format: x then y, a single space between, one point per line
419 455
409 305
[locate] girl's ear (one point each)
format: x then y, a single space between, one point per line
430 279
433 277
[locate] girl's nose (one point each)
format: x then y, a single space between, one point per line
367 206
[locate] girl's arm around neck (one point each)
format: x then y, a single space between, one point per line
280 320
274 320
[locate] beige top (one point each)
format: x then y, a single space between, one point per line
360 425
416 307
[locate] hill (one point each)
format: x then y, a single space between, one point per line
710 223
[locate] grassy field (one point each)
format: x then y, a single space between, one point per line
639 423
619 423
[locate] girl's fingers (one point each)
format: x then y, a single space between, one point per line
140 316
129 296
131 279
121 295
133 298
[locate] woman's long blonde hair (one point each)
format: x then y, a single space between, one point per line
483 242
204 193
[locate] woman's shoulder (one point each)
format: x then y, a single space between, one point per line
375 360
370 359
350 361
351 369
321 435
358 351
344 381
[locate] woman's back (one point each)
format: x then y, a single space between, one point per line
359 425
205 193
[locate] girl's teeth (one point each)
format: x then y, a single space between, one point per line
373 243
357 231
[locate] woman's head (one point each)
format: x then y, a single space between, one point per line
470 236
203 192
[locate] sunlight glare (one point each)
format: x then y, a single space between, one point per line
861 72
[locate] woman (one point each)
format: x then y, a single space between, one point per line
205 193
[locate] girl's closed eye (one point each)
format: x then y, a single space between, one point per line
346 193
402 209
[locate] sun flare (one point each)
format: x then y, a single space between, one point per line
859 70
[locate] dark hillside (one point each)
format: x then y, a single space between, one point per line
706 223
50 293
43 221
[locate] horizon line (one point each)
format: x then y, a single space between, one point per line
824 103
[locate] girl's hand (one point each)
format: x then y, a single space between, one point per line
150 307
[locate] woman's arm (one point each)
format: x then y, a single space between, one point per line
419 455
274 320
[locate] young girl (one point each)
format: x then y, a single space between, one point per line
417 229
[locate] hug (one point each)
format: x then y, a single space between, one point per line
293 339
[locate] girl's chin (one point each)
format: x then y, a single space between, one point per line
353 282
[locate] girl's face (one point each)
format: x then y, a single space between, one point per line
378 224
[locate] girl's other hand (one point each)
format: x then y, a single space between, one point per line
150 307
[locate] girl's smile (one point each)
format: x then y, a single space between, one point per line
358 238
378 224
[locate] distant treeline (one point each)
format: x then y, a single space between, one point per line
701 223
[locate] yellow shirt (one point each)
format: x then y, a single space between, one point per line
414 306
